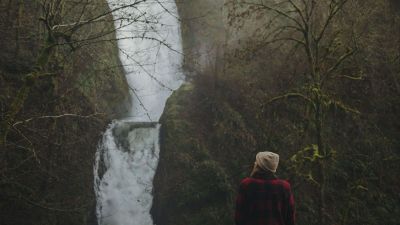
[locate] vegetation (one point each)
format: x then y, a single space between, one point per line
315 81
60 83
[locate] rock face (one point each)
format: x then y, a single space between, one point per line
188 179
203 33
47 162
190 186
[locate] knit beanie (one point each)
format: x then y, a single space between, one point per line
267 161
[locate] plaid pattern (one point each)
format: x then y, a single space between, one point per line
264 201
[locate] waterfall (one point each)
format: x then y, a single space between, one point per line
150 44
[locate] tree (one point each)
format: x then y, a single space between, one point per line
310 28
45 107
63 33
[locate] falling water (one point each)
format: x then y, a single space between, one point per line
127 157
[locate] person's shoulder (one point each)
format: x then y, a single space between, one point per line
246 181
284 183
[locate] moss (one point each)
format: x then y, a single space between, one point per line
103 80
213 128
188 179
51 180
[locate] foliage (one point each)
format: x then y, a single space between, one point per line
333 121
188 171
55 97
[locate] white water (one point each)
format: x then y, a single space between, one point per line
127 157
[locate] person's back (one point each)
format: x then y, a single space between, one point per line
264 200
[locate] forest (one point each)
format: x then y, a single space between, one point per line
316 81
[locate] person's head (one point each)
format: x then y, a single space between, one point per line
266 162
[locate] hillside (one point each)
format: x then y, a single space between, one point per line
55 102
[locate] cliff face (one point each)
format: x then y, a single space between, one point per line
203 33
190 186
90 65
47 161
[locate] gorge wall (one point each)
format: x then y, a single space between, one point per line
47 160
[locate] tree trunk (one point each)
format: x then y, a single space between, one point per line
322 166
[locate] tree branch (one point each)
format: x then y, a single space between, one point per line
290 95
57 117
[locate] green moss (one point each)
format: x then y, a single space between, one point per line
58 153
102 80
197 185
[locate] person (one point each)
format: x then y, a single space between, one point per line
263 199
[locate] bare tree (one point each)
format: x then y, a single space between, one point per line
308 28
64 32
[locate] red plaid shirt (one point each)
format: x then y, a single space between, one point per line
264 201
